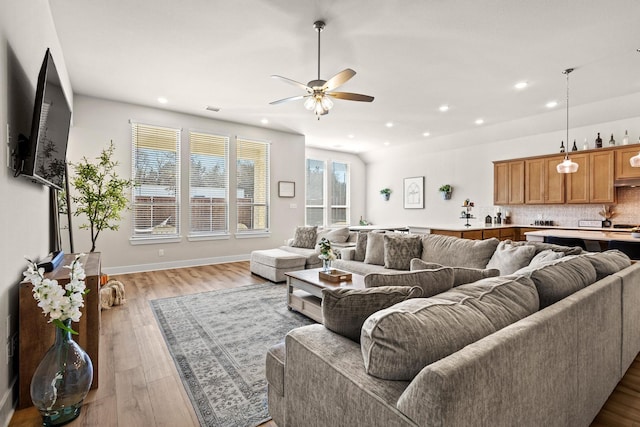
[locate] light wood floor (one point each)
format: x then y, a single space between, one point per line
139 384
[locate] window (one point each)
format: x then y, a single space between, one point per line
208 184
252 185
339 193
315 194
156 172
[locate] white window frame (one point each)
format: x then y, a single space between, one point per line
324 191
347 206
265 229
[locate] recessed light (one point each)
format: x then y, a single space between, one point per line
426 134
389 124
162 100
551 104
264 121
479 121
387 143
444 108
212 108
521 85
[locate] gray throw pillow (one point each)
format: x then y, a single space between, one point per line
334 235
375 249
608 262
432 282
305 237
400 249
345 310
461 275
508 258
541 246
456 252
544 257
361 246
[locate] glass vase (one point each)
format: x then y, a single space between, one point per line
62 380
326 265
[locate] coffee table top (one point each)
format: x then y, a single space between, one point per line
312 277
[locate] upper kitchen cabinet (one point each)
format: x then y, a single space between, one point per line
543 184
623 167
508 183
601 176
578 182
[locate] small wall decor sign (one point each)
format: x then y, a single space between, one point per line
414 192
286 189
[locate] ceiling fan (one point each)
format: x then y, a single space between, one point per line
319 92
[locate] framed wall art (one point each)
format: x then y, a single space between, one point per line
414 192
286 189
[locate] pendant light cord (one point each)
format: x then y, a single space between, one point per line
319 29
567 71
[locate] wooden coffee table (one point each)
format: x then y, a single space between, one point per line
304 290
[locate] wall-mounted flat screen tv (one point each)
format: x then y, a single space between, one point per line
42 156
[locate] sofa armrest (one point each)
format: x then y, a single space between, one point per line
347 254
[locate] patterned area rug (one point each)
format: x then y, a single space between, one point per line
219 342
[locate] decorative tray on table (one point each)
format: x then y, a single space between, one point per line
334 275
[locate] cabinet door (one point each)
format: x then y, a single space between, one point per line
494 232
500 183
516 182
554 185
534 177
601 175
475 234
507 234
623 169
447 233
578 182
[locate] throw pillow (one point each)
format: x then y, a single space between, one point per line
361 246
400 249
461 275
541 246
305 237
345 310
456 252
432 282
508 258
335 235
545 257
608 262
375 249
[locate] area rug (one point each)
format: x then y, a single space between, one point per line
219 341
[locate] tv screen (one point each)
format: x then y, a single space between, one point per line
45 152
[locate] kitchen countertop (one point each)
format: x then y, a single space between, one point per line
474 227
599 234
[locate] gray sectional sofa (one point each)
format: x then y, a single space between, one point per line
545 344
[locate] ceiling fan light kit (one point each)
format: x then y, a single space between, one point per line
318 97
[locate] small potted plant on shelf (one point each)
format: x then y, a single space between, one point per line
607 213
386 193
446 191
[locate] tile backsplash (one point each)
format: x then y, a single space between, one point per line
627 211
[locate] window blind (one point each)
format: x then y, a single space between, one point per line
252 185
156 175
315 195
339 193
208 184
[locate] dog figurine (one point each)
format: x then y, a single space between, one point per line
112 294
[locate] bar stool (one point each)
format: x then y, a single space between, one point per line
565 241
632 249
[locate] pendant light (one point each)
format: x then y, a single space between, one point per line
567 166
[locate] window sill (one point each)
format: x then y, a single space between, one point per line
252 234
202 237
152 240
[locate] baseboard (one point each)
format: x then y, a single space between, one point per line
7 407
140 268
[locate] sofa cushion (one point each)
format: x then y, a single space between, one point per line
508 258
305 237
559 279
345 310
461 275
274 369
541 246
456 252
361 246
400 249
334 235
375 249
399 341
545 257
432 282
608 262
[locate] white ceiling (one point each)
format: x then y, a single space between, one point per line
412 55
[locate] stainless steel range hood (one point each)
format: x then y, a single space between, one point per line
634 182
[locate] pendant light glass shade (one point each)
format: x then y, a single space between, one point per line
635 161
567 166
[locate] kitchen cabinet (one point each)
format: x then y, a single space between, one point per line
508 183
601 176
542 182
500 233
554 182
623 169
578 182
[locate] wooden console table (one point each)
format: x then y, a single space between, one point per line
36 334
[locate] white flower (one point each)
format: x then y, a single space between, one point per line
57 302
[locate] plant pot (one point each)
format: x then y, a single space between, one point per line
385 197
446 195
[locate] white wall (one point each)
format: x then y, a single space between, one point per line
98 121
465 161
357 175
26 30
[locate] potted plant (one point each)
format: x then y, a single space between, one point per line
386 193
446 190
607 213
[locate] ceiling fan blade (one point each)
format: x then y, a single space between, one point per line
291 98
293 82
351 96
339 79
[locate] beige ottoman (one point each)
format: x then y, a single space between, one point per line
273 263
